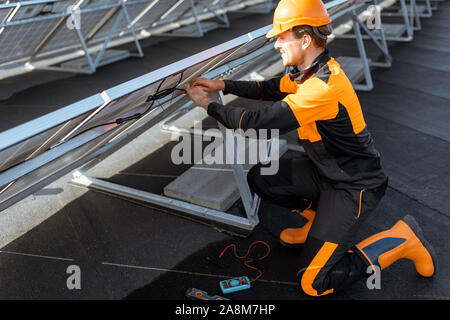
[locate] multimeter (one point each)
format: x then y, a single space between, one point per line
235 284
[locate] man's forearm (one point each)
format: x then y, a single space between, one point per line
277 116
228 116
258 90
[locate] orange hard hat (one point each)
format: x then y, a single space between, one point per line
292 13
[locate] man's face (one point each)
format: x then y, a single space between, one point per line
292 49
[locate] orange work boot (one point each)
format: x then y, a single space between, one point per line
297 236
403 241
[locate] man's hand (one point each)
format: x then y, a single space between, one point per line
208 85
198 96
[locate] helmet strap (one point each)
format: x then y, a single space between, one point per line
318 33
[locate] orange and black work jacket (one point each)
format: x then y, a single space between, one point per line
322 105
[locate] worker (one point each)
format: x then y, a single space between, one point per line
340 173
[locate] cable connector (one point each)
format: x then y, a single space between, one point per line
133 117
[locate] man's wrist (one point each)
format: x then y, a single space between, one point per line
206 104
225 91
222 85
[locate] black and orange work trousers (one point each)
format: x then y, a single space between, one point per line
327 261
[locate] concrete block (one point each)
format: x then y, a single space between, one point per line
212 186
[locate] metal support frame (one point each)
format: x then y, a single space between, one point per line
133 32
83 43
51 34
382 36
265 7
417 26
223 17
151 198
429 12
431 6
410 18
379 40
94 64
111 12
197 21
251 203
357 24
248 201
362 53
100 54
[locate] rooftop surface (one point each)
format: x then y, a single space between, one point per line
127 250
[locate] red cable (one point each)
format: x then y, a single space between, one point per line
246 263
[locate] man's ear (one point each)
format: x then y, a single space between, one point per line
306 41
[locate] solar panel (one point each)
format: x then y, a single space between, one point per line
30 137
97 3
65 37
4 13
175 12
62 6
28 12
156 10
37 150
203 7
19 41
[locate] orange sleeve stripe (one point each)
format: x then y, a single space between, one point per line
360 198
314 268
240 121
